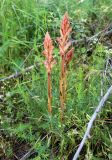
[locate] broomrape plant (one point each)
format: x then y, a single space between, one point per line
66 55
49 62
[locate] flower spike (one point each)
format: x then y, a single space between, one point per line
48 50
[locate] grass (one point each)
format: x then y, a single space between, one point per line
25 121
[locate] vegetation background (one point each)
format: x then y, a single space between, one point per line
25 125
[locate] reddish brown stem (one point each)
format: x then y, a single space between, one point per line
65 84
49 93
62 86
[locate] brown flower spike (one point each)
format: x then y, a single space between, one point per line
66 55
49 62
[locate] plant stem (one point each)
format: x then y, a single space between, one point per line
65 84
62 86
49 93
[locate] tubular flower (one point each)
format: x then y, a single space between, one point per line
48 50
63 40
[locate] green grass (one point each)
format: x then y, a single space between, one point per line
25 121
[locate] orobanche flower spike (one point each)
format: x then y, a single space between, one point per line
49 62
66 54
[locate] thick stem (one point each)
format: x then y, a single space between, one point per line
65 83
62 86
61 100
49 93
